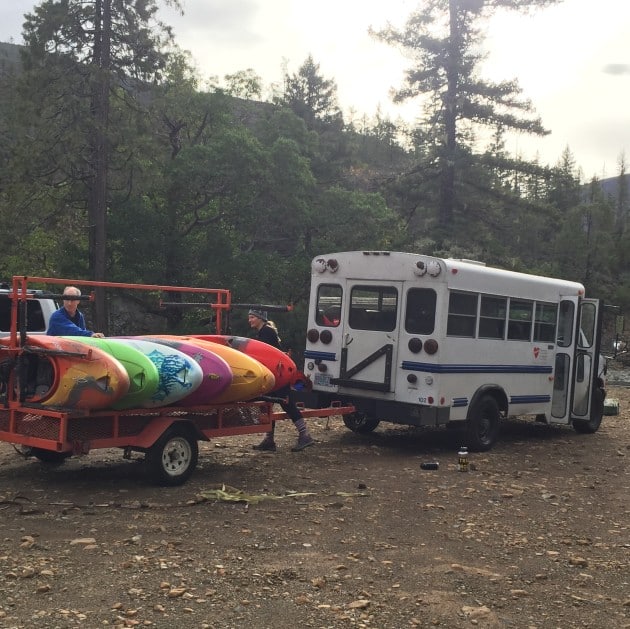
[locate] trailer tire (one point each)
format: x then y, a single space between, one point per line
360 422
589 426
50 457
173 457
482 426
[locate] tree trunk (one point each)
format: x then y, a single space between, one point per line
447 185
97 198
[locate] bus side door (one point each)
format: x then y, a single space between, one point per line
370 336
576 359
586 359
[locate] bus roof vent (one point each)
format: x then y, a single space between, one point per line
467 261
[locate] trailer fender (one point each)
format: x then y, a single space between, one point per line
158 426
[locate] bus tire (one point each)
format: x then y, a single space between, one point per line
482 426
360 422
592 425
173 457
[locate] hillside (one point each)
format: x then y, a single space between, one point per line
610 186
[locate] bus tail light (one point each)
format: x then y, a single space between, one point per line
431 346
312 335
325 336
415 345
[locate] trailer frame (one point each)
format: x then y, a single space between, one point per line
168 436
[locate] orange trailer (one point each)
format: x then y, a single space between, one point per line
168 436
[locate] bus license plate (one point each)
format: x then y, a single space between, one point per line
322 379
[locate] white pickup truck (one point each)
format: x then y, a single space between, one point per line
38 311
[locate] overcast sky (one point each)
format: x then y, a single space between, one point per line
572 60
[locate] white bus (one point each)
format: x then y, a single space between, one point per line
425 341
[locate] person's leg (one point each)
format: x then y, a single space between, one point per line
304 437
268 443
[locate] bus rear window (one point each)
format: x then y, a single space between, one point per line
328 308
373 308
420 313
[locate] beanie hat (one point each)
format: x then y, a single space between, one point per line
261 314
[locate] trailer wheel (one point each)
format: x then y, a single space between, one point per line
360 422
173 457
50 457
589 426
482 427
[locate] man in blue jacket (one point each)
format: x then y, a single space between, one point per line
69 320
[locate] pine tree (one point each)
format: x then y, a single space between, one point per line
444 39
80 56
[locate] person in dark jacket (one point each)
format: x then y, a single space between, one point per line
69 320
267 333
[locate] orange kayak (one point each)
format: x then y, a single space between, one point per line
67 373
280 364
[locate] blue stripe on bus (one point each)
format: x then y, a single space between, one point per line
433 368
530 399
319 355
515 399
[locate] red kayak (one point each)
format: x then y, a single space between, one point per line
280 364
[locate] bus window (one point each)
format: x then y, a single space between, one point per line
587 326
373 308
520 320
420 313
545 323
565 323
328 308
462 314
492 317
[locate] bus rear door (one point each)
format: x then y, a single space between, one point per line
370 337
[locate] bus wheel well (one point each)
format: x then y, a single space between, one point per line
493 391
482 422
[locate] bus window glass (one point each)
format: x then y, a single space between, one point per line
492 316
420 313
560 385
587 325
373 308
545 322
462 314
328 309
565 323
520 320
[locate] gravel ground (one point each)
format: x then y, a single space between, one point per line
349 533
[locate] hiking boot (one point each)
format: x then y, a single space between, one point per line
302 443
266 445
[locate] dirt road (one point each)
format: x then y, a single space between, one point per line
536 535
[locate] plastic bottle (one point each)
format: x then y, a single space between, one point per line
462 459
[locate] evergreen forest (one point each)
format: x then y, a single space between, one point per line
116 165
